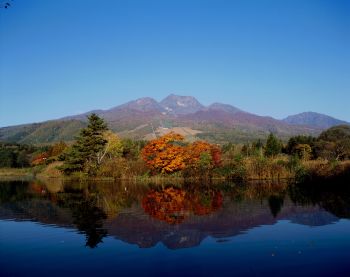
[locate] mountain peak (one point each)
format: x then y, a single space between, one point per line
145 101
178 104
144 104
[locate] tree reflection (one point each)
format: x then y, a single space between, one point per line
16 191
89 220
275 204
173 205
334 198
93 208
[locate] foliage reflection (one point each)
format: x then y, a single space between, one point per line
137 212
173 205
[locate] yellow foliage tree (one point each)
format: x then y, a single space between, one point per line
113 147
304 151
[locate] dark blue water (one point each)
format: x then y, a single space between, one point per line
54 229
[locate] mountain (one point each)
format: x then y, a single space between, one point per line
314 119
146 118
221 126
175 104
133 108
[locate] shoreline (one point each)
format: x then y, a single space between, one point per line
311 171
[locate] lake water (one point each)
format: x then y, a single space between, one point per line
54 228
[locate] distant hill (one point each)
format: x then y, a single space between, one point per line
146 118
336 133
224 108
314 119
44 132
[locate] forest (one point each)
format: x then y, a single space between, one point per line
97 152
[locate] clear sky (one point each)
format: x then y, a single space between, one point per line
275 58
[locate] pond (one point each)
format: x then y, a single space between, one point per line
60 228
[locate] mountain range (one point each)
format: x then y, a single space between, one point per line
145 118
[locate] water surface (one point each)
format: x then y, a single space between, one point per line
104 229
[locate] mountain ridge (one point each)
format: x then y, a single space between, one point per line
139 118
314 119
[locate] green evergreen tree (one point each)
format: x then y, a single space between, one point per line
257 148
294 141
22 159
273 146
84 155
7 158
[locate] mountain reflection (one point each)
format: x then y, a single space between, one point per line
178 216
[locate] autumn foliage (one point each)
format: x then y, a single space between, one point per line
37 188
202 154
174 205
169 154
40 159
164 154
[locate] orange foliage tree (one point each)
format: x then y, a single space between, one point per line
169 154
165 154
202 154
39 159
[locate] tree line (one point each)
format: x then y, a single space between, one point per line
97 151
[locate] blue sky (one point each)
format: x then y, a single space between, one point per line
273 58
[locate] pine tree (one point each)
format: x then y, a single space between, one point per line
273 146
85 152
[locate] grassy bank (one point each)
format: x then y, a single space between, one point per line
16 172
245 169
325 171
